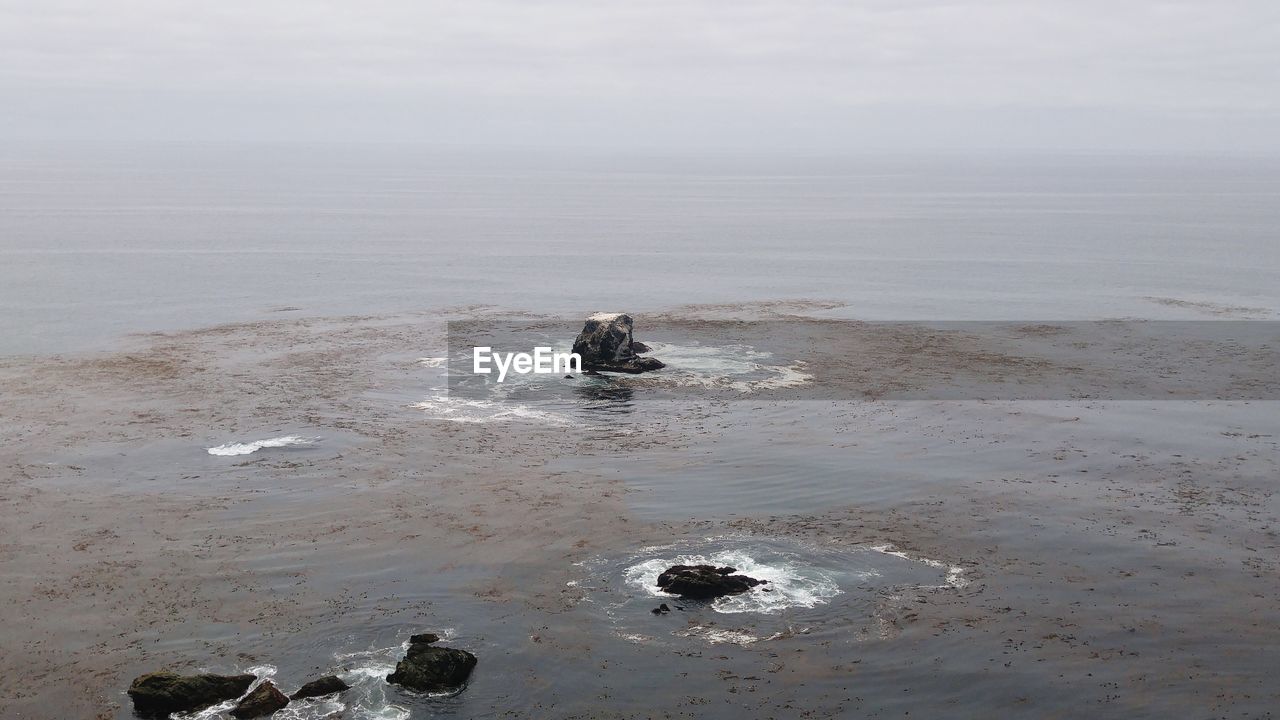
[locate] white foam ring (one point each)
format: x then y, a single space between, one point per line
735 368
790 584
443 407
434 362
256 445
955 574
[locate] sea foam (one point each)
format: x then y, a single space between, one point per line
955 574
790 584
454 409
370 697
251 447
738 368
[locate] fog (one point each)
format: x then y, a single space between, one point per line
761 75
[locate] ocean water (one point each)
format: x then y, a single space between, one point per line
99 242
297 497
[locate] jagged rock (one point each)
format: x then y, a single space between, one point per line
264 700
639 347
704 582
326 685
605 343
426 668
156 695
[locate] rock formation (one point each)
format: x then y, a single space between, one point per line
426 668
605 345
156 695
704 582
326 685
264 700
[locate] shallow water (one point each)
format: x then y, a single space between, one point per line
1025 558
936 557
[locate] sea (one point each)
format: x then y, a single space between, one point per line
99 242
233 443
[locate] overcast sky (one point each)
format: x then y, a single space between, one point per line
855 75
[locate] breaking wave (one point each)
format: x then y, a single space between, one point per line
288 441
369 696
216 712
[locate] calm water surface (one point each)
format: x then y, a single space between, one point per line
95 243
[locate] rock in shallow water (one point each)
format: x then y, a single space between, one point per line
326 685
704 582
426 668
156 695
605 343
264 700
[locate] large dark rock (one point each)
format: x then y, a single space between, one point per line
156 695
605 344
264 700
326 685
426 668
704 582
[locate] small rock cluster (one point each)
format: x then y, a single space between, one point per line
425 668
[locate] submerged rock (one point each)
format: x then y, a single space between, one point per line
704 582
605 343
264 700
426 668
326 685
156 695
